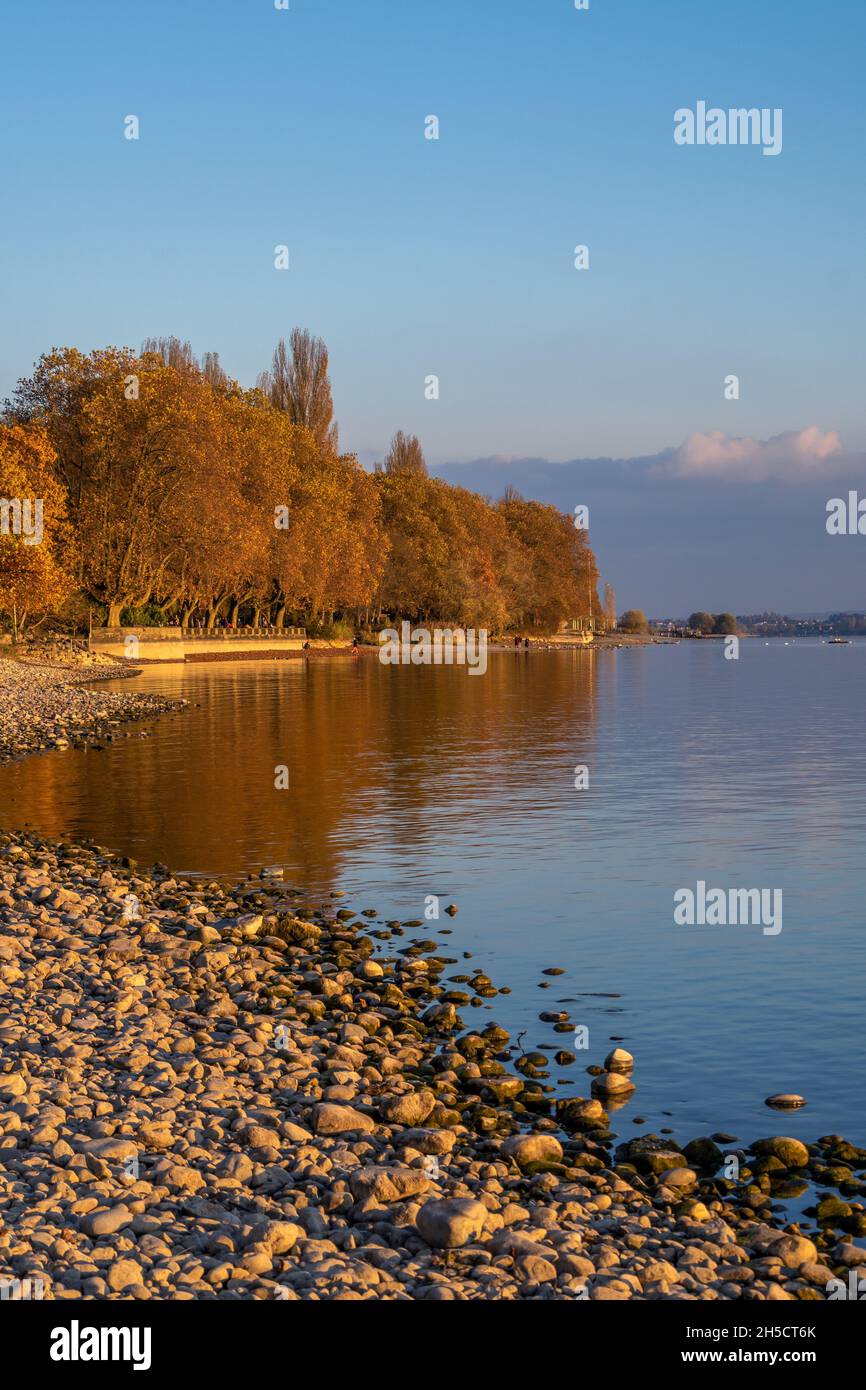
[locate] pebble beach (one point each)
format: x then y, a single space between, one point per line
46 702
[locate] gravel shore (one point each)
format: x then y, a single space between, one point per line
227 1093
49 706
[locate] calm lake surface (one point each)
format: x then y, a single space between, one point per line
407 782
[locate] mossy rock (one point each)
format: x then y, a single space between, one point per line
769 1164
544 1166
832 1209
312 1008
703 1153
503 1089
489 1066
839 1174
756 1198
443 1117
791 1152
496 1037
789 1188
528 1068
575 1114
393 996
536 1102
296 930
484 1119
650 1153
588 1162
840 1151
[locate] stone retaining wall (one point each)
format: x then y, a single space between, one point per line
144 644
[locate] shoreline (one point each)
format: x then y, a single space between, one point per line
234 1096
48 706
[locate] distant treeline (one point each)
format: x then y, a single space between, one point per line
712 624
777 625
171 494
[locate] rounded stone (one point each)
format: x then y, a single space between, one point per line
612 1084
791 1152
526 1149
618 1060
785 1101
678 1177
452 1222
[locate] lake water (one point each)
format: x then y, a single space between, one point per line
407 782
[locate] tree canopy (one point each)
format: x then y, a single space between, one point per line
169 488
715 624
633 620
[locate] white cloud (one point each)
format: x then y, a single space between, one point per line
794 456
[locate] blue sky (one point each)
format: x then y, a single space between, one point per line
455 257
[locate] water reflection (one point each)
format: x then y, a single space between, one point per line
371 751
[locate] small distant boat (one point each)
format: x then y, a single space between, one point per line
839 642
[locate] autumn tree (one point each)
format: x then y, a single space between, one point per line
405 455
172 352
477 545
215 516
633 620
701 621
609 607
298 383
36 541
129 433
554 575
191 495
180 356
411 584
